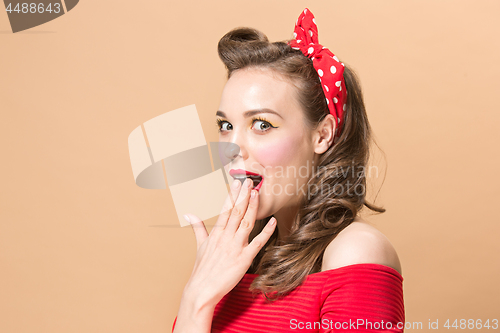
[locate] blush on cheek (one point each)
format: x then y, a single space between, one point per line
278 153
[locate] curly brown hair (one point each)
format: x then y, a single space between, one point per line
284 266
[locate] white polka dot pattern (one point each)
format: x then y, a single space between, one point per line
329 68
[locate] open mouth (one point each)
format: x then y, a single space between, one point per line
242 175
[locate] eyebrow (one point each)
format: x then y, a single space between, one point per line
251 113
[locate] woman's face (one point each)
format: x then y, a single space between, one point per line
260 113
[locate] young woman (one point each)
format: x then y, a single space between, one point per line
289 252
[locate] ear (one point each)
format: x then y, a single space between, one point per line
323 134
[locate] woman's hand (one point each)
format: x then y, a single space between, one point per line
224 256
222 259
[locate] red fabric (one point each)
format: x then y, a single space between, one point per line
328 66
356 298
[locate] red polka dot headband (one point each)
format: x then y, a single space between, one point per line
328 66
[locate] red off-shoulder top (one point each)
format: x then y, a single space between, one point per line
356 298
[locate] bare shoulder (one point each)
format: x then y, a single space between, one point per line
360 243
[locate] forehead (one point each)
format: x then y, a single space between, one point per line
258 88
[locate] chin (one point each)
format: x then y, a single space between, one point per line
264 211
261 216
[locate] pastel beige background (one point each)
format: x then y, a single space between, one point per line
84 249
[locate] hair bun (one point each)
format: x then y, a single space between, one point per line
243 35
237 44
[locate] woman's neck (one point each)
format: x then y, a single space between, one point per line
285 219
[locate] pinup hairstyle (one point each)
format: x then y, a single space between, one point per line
283 267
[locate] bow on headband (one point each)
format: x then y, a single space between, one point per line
328 66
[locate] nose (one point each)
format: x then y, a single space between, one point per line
231 150
233 146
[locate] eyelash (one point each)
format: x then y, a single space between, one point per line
219 123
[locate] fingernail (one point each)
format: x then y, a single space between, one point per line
236 183
186 218
248 181
272 221
253 194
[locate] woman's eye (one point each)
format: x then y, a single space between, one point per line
223 125
262 125
259 124
226 126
